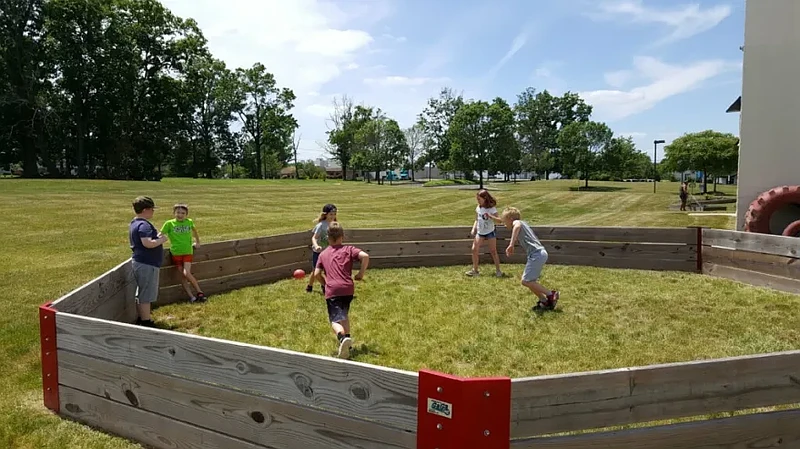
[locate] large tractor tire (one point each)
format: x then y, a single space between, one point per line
793 230
761 209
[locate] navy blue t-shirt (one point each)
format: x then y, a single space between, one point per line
139 229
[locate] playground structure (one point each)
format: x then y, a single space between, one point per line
167 389
769 154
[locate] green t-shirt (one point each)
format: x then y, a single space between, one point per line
180 236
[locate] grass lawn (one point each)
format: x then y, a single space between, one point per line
61 234
436 318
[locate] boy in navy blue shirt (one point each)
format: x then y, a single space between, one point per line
148 253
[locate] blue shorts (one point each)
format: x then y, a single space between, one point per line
314 258
490 235
534 265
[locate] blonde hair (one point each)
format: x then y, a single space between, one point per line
180 206
335 231
512 213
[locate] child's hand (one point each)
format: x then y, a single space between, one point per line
510 250
196 245
359 276
316 248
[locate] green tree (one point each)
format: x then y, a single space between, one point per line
415 140
482 136
264 113
435 120
715 153
582 145
536 115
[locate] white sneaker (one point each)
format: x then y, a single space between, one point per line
344 347
499 274
472 273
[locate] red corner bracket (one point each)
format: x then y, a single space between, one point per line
47 334
458 413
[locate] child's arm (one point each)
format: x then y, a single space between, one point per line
196 238
474 229
151 243
513 240
364 258
314 245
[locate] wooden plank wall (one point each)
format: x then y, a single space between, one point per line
224 266
762 260
594 400
109 296
609 247
168 389
762 430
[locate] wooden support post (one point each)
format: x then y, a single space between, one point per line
47 335
457 413
699 249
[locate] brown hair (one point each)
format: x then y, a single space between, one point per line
488 199
143 202
180 206
335 231
328 208
512 213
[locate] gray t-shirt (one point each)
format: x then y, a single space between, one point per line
528 239
321 232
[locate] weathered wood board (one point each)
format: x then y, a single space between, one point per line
231 248
169 275
753 278
788 267
375 393
248 417
150 429
763 430
570 402
758 243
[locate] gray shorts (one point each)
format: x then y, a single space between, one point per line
534 265
146 282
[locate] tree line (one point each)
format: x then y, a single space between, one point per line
124 89
540 133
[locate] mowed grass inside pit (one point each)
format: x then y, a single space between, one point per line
436 318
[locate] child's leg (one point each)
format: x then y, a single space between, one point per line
187 272
533 270
146 277
338 310
476 251
537 289
492 243
184 282
311 277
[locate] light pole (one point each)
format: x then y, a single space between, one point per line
655 167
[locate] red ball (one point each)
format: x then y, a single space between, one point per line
299 274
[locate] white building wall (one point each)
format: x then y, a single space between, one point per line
770 118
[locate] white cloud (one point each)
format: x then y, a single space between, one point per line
306 44
685 20
391 37
618 79
633 134
516 45
665 81
404 81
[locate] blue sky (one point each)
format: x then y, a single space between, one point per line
653 69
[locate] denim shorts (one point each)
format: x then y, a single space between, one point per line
338 308
490 235
534 265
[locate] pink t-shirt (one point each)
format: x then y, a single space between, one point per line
337 263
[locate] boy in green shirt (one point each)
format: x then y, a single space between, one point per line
180 231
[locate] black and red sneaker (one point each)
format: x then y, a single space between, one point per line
309 289
552 299
201 297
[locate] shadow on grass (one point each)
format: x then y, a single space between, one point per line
598 189
364 349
